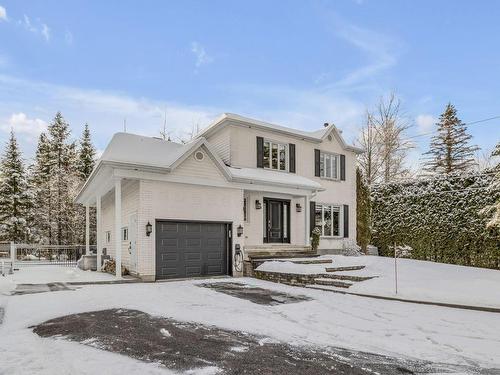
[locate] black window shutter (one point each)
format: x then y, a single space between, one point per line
291 151
346 220
342 167
317 171
312 216
260 152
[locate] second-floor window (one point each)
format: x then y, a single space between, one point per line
329 165
275 155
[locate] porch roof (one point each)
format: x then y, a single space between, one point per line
267 177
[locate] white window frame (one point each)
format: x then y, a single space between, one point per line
341 215
322 156
287 155
107 235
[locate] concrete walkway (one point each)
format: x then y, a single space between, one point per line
442 304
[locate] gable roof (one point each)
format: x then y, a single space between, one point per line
311 136
131 151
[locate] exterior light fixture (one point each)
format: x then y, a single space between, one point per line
149 229
258 205
239 230
298 207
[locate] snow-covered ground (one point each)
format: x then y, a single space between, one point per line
50 274
387 327
417 280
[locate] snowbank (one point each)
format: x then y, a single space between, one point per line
392 328
418 280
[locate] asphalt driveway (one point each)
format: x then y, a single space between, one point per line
185 346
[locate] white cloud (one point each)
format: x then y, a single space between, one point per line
26 22
3 14
425 123
68 37
105 110
378 48
45 32
202 56
40 29
28 128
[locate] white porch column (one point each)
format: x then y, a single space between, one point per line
87 229
307 208
98 234
118 226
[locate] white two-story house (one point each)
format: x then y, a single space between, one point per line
170 210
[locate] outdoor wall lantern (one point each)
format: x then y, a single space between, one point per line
258 205
298 207
149 229
239 231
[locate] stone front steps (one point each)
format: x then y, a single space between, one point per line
345 268
330 277
332 282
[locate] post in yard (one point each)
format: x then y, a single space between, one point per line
396 268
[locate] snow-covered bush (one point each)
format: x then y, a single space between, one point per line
350 248
315 236
439 218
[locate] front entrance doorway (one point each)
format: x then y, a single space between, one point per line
276 220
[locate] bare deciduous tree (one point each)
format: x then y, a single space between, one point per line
384 141
370 161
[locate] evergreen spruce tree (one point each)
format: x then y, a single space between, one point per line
86 157
40 186
14 196
363 211
63 182
450 150
41 177
493 210
86 162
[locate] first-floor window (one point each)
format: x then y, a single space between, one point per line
328 219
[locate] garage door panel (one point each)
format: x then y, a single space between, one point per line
169 242
169 227
185 249
193 271
214 269
192 256
192 243
170 257
214 242
192 228
212 255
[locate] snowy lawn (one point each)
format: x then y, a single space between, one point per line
391 328
50 274
417 280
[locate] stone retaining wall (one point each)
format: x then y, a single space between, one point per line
286 278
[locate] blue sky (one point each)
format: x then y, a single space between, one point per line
296 63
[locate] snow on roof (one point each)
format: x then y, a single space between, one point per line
264 176
315 136
141 150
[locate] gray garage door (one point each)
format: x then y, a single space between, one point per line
190 249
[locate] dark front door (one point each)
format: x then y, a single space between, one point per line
277 221
190 249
